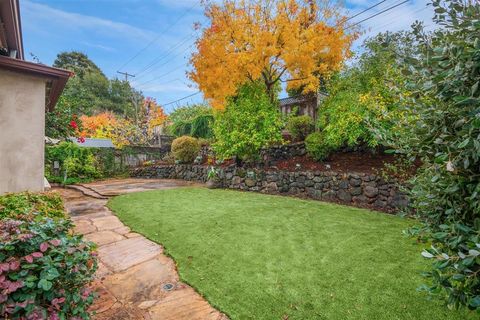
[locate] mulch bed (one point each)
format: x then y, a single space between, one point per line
340 162
355 161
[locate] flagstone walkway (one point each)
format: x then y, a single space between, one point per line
135 280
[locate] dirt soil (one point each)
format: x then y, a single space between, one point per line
360 161
339 162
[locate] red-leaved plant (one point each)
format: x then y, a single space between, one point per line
44 269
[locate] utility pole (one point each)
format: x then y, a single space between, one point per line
126 74
134 98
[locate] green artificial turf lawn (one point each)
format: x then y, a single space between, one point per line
256 256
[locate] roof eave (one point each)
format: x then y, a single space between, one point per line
10 14
57 77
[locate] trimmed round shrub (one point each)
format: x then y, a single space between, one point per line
300 127
185 149
316 146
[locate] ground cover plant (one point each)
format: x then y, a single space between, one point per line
44 268
26 203
256 256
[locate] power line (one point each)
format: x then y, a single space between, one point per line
126 74
376 14
168 82
168 61
390 23
367 9
161 76
158 37
178 100
163 56
351 26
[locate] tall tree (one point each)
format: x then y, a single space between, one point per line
77 62
90 91
293 41
124 99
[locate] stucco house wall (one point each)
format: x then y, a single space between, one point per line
22 132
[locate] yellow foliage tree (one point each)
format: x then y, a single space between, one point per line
294 41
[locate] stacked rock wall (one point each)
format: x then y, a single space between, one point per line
358 189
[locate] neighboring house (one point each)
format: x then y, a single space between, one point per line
302 104
26 90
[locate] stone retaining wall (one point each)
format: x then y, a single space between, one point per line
358 189
283 152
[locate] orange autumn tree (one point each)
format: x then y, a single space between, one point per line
153 114
92 124
295 41
122 131
106 125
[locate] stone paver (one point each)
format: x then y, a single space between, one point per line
142 282
132 235
134 280
193 307
107 223
84 227
104 237
122 230
121 255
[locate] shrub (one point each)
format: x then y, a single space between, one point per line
249 122
316 146
300 127
80 164
195 121
44 269
75 162
444 77
17 205
363 105
185 149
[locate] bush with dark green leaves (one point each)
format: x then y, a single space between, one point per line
316 146
185 149
44 268
444 78
300 127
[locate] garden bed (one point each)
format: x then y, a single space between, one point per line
340 162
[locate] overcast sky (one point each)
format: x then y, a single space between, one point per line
112 32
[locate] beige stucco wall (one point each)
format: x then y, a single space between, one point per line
22 131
